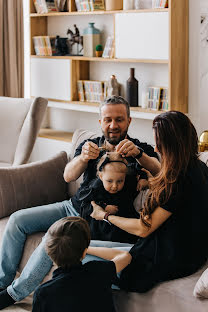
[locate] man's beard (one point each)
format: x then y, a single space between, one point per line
115 141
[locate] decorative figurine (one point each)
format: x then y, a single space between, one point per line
75 38
113 86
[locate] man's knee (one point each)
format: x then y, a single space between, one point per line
16 220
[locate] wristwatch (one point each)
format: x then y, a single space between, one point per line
105 218
140 154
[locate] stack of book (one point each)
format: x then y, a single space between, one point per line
92 91
164 99
156 4
89 5
46 6
44 45
158 98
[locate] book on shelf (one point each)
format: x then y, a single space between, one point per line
158 98
159 4
84 5
44 45
96 5
90 5
80 89
45 6
92 91
108 51
40 6
78 6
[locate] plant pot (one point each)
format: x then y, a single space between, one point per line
112 5
98 53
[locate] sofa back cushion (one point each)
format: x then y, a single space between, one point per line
12 115
33 184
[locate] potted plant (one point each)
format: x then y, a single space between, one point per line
98 50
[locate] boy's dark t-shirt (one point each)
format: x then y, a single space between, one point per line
82 288
179 246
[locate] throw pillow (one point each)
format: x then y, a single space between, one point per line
33 184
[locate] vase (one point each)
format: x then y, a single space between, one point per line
128 4
132 86
113 5
91 38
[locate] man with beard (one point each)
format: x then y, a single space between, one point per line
114 120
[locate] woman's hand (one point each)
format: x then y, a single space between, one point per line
98 212
112 209
149 175
142 184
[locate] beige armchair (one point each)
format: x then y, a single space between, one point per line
20 120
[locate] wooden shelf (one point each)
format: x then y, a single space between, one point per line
55 135
90 107
102 59
96 12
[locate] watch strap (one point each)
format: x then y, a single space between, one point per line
140 154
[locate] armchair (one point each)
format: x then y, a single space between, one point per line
20 120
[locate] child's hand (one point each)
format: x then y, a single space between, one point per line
98 212
142 184
112 209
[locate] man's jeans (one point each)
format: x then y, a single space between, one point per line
22 223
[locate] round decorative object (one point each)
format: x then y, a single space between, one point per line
203 141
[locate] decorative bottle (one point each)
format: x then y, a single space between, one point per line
132 89
91 38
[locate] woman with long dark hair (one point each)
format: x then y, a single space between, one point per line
172 230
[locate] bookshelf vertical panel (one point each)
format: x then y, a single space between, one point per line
38 27
80 71
178 59
32 7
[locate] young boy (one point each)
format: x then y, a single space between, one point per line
77 287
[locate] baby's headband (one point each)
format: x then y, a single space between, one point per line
108 160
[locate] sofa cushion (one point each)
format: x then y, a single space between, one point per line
11 125
33 184
171 296
201 287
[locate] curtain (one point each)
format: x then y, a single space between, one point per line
11 48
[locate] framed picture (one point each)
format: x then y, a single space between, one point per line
96 5
159 4
109 48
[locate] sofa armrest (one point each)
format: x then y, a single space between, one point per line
33 184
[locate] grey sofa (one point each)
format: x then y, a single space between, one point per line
46 185
20 121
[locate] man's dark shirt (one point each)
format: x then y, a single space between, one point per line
82 288
91 170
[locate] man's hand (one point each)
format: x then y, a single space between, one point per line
127 149
98 212
89 151
112 209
